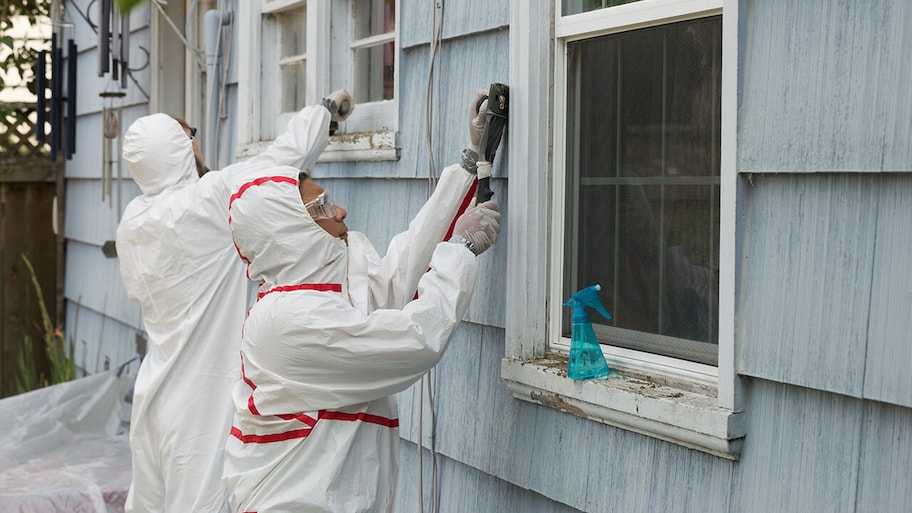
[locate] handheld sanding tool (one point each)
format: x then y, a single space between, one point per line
496 116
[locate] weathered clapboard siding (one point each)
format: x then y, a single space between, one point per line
889 350
100 342
826 292
86 163
463 488
825 86
464 65
802 452
99 318
459 18
95 220
807 279
886 450
583 464
94 282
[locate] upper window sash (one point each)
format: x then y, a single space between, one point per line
378 115
643 13
315 58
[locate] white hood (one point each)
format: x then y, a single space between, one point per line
159 154
277 238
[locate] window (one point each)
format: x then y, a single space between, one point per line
642 189
641 122
292 44
372 53
374 50
300 50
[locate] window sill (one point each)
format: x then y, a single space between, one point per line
669 413
354 147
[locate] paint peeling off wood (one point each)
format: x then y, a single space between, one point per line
683 417
557 402
361 147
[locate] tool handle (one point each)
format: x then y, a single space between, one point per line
483 192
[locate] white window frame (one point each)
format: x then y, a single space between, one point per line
368 135
694 405
380 115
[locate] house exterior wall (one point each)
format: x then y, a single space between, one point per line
100 319
822 286
822 309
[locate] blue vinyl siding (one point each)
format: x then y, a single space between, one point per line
825 86
824 288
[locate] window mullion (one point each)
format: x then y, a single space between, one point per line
663 172
617 172
367 42
574 186
318 37
292 59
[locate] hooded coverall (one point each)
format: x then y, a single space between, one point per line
335 333
177 260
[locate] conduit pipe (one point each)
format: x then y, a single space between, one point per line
213 21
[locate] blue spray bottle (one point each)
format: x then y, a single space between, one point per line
586 358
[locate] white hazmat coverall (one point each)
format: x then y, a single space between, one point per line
177 260
334 335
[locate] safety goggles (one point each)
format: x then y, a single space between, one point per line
321 207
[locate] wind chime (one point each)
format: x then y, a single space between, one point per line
113 57
62 136
110 144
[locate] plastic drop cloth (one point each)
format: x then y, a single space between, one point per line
65 448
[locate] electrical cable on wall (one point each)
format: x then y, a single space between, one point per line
196 52
429 380
436 39
189 18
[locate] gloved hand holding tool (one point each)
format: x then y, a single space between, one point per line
478 227
495 108
340 105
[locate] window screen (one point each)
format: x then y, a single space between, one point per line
642 218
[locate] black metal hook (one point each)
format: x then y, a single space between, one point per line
148 60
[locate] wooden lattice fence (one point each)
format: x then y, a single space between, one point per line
29 184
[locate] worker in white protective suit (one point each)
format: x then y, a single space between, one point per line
178 261
336 332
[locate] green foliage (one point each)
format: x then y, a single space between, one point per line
59 354
128 5
20 56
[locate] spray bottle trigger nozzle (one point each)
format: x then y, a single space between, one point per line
587 297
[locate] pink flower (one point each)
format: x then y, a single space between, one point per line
57 333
